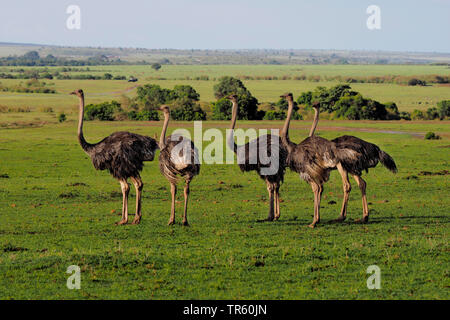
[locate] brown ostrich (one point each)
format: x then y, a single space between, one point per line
178 158
122 154
251 160
363 155
366 155
313 158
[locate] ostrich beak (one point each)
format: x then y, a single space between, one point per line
73 92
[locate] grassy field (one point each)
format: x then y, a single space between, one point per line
58 211
407 98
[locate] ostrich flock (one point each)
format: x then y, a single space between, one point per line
124 153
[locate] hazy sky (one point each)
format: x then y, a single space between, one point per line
406 25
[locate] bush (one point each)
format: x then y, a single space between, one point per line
432 113
416 82
188 112
405 115
432 136
274 115
156 66
147 115
444 109
104 111
62 117
417 115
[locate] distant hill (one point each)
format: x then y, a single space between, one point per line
241 56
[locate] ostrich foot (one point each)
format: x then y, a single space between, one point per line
136 220
340 219
313 224
121 222
171 222
185 223
363 220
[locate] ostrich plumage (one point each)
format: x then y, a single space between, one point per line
313 158
251 161
357 156
178 159
123 155
365 155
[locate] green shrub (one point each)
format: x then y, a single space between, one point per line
432 136
62 117
444 109
417 115
274 115
432 113
104 111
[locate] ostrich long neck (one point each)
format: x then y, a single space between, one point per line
162 138
84 144
315 122
230 138
285 133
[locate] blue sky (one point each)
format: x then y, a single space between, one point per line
414 25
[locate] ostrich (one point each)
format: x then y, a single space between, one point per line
123 154
276 153
366 155
313 158
178 157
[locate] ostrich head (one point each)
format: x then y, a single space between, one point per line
288 96
316 104
78 93
232 97
164 108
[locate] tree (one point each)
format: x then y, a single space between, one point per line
444 109
185 109
185 91
156 66
152 95
103 111
31 55
248 105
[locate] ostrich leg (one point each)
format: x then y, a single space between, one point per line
186 197
317 189
277 201
173 191
125 191
139 185
270 190
362 186
347 188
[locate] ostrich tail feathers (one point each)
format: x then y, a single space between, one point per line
388 162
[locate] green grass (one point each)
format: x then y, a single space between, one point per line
57 210
407 98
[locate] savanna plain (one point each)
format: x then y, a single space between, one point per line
57 211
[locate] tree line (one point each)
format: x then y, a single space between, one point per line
340 101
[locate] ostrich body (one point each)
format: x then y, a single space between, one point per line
178 158
252 162
122 154
366 155
313 158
